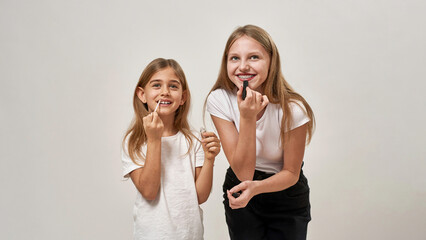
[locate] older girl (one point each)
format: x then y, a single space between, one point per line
263 134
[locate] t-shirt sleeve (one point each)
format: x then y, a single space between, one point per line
299 115
199 153
218 105
128 164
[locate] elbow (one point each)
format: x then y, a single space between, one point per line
294 182
244 176
201 200
244 172
149 195
294 179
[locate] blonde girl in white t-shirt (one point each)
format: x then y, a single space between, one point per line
170 167
266 195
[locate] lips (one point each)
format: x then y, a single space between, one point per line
246 77
165 102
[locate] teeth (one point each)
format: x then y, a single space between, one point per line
245 76
163 102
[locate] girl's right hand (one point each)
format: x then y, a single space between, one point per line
254 103
153 126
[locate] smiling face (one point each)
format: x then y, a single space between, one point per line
248 61
165 88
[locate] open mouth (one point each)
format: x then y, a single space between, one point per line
165 102
246 77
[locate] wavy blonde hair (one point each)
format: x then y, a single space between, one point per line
275 87
136 134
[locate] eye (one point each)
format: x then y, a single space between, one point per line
175 86
254 57
233 58
156 85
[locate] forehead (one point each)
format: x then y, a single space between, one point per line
246 44
165 74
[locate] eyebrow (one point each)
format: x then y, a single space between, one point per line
250 53
159 80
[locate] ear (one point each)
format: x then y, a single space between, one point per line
184 97
141 94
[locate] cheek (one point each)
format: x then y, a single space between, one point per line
231 72
231 67
178 96
149 96
263 69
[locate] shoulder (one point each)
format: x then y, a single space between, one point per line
128 164
219 95
222 103
299 115
297 107
125 150
125 145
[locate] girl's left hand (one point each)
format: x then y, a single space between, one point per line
211 145
247 189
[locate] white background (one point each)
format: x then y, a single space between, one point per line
68 69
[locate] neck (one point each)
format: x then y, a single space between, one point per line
169 129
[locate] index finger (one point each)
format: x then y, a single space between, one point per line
240 92
148 117
249 93
154 116
236 189
230 197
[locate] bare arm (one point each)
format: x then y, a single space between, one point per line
204 174
147 179
293 154
240 147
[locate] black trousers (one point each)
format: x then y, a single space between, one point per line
282 215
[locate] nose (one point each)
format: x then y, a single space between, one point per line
244 66
164 91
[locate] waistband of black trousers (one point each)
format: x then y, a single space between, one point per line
258 175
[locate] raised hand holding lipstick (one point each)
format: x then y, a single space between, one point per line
251 103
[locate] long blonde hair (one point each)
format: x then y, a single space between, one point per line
136 135
275 87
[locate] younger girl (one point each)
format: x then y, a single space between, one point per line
266 195
169 167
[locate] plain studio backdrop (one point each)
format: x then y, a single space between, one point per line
69 68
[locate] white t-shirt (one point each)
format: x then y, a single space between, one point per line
175 213
269 153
